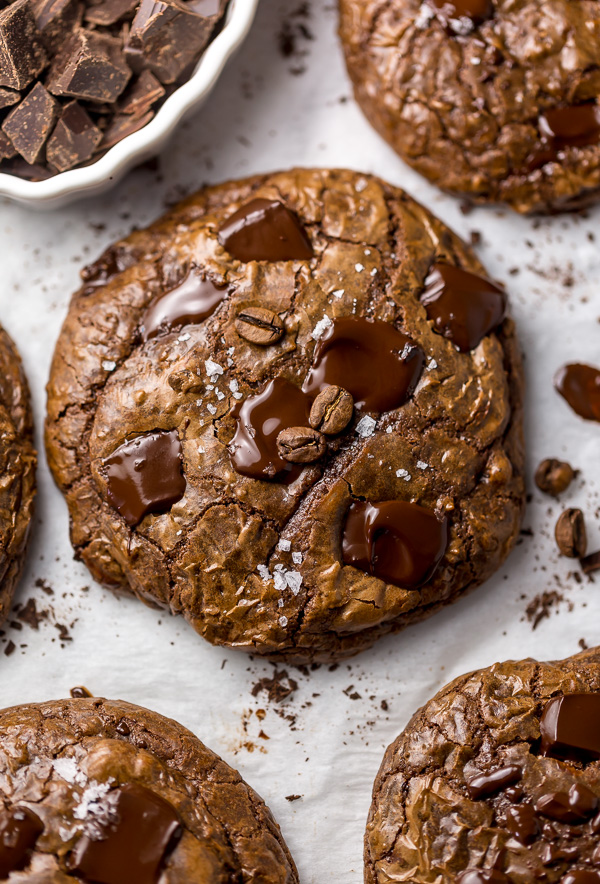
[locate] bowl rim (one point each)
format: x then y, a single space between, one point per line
149 139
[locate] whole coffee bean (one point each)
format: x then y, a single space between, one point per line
332 410
301 445
554 476
259 325
570 534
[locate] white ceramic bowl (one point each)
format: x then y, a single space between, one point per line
147 142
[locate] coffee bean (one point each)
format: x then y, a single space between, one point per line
259 326
332 410
301 445
570 534
554 476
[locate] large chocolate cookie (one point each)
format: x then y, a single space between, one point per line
494 100
495 781
291 412
17 470
102 791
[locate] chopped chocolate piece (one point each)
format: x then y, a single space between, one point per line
19 830
22 55
7 148
8 97
166 37
522 822
580 385
29 124
485 784
91 67
56 19
554 476
22 169
590 563
121 126
265 230
577 125
109 12
74 138
141 95
570 727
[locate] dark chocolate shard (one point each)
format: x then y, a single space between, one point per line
7 148
109 12
30 123
265 230
91 67
570 727
141 95
8 97
55 20
166 37
121 126
74 139
22 55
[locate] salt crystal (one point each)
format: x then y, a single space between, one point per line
280 603
320 327
234 386
389 429
279 581
431 364
424 16
365 426
109 365
283 620
360 185
213 368
338 293
294 581
297 558
284 545
403 474
374 271
359 268
68 769
220 395
421 465
89 803
183 338
212 408
264 572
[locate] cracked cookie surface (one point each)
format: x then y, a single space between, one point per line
17 470
500 108
97 775
257 563
469 784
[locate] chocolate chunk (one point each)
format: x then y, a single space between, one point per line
7 148
554 476
570 534
207 7
399 542
141 95
572 807
522 823
19 830
580 386
22 169
145 475
590 563
570 727
121 126
301 445
109 12
260 419
22 55
475 10
74 138
29 124
133 847
575 126
90 67
166 37
482 876
265 230
377 364
259 326
8 97
192 301
581 876
486 784
462 306
332 410
80 692
56 19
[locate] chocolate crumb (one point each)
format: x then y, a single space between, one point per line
30 615
293 797
10 648
542 605
278 688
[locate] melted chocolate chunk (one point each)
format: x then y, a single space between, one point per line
522 823
573 806
132 849
265 230
581 876
401 543
486 784
260 419
145 475
192 301
570 727
19 830
580 386
482 876
375 362
462 306
575 126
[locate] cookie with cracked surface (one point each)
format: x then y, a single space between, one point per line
103 791
496 779
492 100
17 470
299 451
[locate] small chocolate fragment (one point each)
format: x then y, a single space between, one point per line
29 124
399 542
145 475
7 148
332 410
463 307
90 67
8 97
570 534
22 55
580 386
522 822
575 126
56 19
109 12
207 7
192 301
166 37
475 10
265 230
590 563
577 805
301 445
141 95
482 876
121 126
486 784
74 138
570 727
80 692
19 830
554 476
133 846
376 363
259 326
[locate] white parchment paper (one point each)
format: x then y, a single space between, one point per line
266 114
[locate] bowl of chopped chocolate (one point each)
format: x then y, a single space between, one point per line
89 88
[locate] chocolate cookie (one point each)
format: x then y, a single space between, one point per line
495 780
104 791
291 412
17 470
490 100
